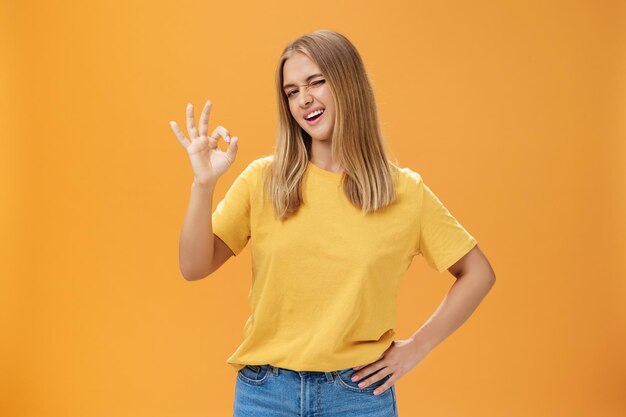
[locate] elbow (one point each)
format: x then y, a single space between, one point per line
193 275
192 270
188 275
490 278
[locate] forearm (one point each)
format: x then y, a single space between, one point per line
461 301
196 237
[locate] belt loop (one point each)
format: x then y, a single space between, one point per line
330 375
274 369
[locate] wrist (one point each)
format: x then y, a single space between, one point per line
204 185
420 346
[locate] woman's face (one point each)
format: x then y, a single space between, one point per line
307 91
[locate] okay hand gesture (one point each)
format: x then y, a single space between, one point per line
207 160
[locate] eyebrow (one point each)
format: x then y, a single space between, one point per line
307 80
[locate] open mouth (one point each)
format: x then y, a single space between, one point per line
313 119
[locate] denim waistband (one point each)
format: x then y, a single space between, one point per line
329 374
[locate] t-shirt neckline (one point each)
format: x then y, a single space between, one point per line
323 172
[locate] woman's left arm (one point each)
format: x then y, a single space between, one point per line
475 277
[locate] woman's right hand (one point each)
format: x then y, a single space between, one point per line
207 160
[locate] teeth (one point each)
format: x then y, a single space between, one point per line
315 113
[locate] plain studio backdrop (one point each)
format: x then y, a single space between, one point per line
512 112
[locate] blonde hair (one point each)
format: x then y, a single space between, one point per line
357 141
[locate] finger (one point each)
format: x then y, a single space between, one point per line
221 131
212 143
231 151
372 374
384 387
191 130
204 118
179 134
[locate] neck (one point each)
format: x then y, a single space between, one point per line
322 156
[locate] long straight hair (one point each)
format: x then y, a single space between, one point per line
358 144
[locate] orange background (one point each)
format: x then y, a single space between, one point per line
513 112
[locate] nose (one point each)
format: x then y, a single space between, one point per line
305 97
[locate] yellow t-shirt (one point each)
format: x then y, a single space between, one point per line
325 282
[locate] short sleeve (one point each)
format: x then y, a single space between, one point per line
231 218
443 240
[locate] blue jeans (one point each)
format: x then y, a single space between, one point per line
270 391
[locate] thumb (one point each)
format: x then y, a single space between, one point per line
231 151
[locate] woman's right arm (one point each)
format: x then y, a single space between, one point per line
200 251
198 258
196 246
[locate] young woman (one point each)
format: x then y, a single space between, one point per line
333 225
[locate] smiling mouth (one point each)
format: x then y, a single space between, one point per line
313 120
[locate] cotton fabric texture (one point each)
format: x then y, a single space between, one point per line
325 281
